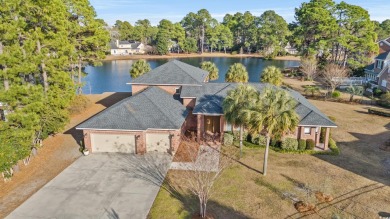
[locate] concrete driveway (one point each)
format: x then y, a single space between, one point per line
100 186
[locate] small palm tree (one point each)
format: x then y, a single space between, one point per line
235 103
354 90
139 68
272 114
272 75
311 89
237 73
212 69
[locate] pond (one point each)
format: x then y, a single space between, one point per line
112 76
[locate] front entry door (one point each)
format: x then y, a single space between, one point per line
212 124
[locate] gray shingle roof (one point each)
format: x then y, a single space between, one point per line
173 73
153 108
209 98
383 56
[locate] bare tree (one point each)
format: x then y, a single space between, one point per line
309 67
333 75
207 164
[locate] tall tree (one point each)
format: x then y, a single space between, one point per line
273 33
212 69
225 37
237 73
197 24
272 75
189 45
90 36
355 42
273 114
315 27
139 68
235 103
385 26
163 40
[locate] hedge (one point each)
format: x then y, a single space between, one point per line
301 144
289 144
310 144
380 112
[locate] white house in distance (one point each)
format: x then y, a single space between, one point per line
127 47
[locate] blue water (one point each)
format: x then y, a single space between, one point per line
112 76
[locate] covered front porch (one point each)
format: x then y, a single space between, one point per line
210 128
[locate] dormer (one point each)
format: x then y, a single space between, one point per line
379 64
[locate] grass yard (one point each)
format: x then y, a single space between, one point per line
358 179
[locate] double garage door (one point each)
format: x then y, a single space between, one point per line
125 143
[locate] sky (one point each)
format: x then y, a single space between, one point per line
175 10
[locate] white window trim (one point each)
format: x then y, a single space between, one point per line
305 130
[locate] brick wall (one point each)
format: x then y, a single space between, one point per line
189 102
136 88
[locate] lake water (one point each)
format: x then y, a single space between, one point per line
112 76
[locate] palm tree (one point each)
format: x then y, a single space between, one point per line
237 73
272 114
272 75
311 89
354 90
139 68
235 103
212 69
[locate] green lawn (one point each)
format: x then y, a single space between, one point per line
243 192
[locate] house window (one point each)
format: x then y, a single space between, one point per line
379 64
307 130
384 83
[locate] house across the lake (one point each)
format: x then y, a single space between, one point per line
173 100
378 73
127 47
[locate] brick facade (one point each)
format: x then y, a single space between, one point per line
136 88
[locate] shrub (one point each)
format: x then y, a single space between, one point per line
259 140
310 144
333 147
236 135
385 100
79 104
234 53
290 144
227 139
336 94
301 144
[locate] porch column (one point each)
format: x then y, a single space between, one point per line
326 141
318 135
222 127
198 127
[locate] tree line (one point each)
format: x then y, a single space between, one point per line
43 48
342 33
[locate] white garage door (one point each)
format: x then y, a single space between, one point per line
158 142
113 143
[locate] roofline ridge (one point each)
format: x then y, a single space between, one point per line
185 70
159 107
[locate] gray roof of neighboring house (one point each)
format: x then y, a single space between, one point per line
173 73
209 98
383 56
153 108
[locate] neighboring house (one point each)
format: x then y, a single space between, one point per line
173 100
378 73
290 50
127 47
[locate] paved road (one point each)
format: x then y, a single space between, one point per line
100 186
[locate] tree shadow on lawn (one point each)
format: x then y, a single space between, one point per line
106 102
363 157
153 167
347 196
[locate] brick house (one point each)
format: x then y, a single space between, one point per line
172 100
378 73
